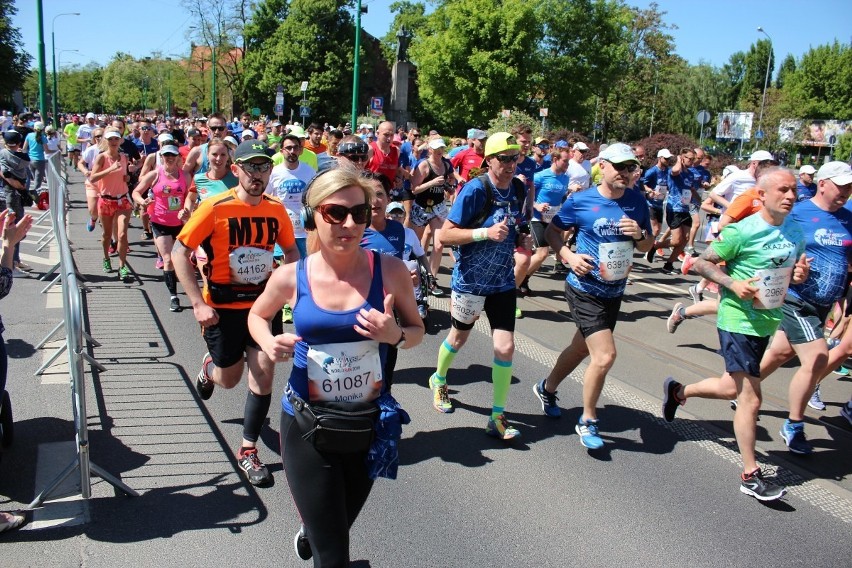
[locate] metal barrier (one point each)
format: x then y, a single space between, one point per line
72 308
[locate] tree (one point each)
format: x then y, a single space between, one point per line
819 87
685 90
16 62
734 71
474 58
756 59
124 84
788 66
315 43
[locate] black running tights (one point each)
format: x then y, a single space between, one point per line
329 491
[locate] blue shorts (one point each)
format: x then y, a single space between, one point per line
742 353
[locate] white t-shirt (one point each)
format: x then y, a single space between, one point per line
577 174
732 186
289 186
90 154
84 135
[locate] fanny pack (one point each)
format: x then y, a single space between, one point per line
229 293
336 427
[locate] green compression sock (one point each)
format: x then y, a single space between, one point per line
446 354
501 377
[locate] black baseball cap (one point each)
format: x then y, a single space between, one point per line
252 149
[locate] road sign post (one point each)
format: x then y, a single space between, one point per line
377 105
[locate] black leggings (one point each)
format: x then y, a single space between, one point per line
329 491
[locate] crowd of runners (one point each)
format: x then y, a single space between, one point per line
341 233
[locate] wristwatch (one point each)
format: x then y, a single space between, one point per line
643 237
401 343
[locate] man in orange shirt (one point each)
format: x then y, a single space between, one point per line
314 141
238 229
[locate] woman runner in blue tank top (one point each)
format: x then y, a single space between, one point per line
343 299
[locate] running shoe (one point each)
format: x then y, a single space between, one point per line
500 428
113 247
287 314
649 256
302 545
842 371
204 385
23 266
676 318
547 399
90 224
158 264
670 398
753 484
832 342
107 266
440 396
174 305
681 256
518 313
794 436
254 469
588 431
559 268
524 288
690 251
123 273
148 235
695 294
846 412
686 264
422 311
668 268
816 401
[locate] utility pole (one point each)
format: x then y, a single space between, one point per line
357 63
42 70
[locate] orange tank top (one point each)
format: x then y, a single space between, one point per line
113 184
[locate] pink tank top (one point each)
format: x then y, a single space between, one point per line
169 196
113 183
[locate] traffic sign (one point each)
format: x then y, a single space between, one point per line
279 109
279 89
304 86
194 107
255 111
703 117
304 111
377 103
279 98
759 134
542 111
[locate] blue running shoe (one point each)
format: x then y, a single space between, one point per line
547 399
794 436
588 431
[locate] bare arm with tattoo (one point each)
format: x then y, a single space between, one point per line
707 265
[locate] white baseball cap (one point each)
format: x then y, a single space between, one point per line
437 143
807 169
761 156
664 153
838 172
581 146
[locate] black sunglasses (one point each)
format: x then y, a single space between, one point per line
335 214
255 168
214 128
355 157
630 168
507 158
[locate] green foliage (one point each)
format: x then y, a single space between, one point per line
123 82
16 62
474 58
820 85
755 73
843 148
412 15
314 43
788 66
516 118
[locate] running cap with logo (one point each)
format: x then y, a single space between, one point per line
500 142
618 154
542 141
437 143
581 147
761 156
359 147
561 144
246 134
476 134
252 149
664 153
838 172
807 169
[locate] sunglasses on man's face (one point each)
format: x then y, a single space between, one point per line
355 157
507 158
335 214
255 167
629 168
217 128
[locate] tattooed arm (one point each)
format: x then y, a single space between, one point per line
707 265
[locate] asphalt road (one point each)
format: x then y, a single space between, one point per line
658 494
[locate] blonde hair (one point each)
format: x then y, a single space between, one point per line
330 182
103 145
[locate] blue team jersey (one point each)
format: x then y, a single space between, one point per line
550 188
545 164
598 235
805 192
680 191
828 241
390 241
700 175
657 179
485 267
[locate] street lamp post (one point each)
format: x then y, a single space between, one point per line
357 62
765 81
53 56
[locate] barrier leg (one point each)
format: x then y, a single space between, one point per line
50 361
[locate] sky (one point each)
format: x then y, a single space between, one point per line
706 31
